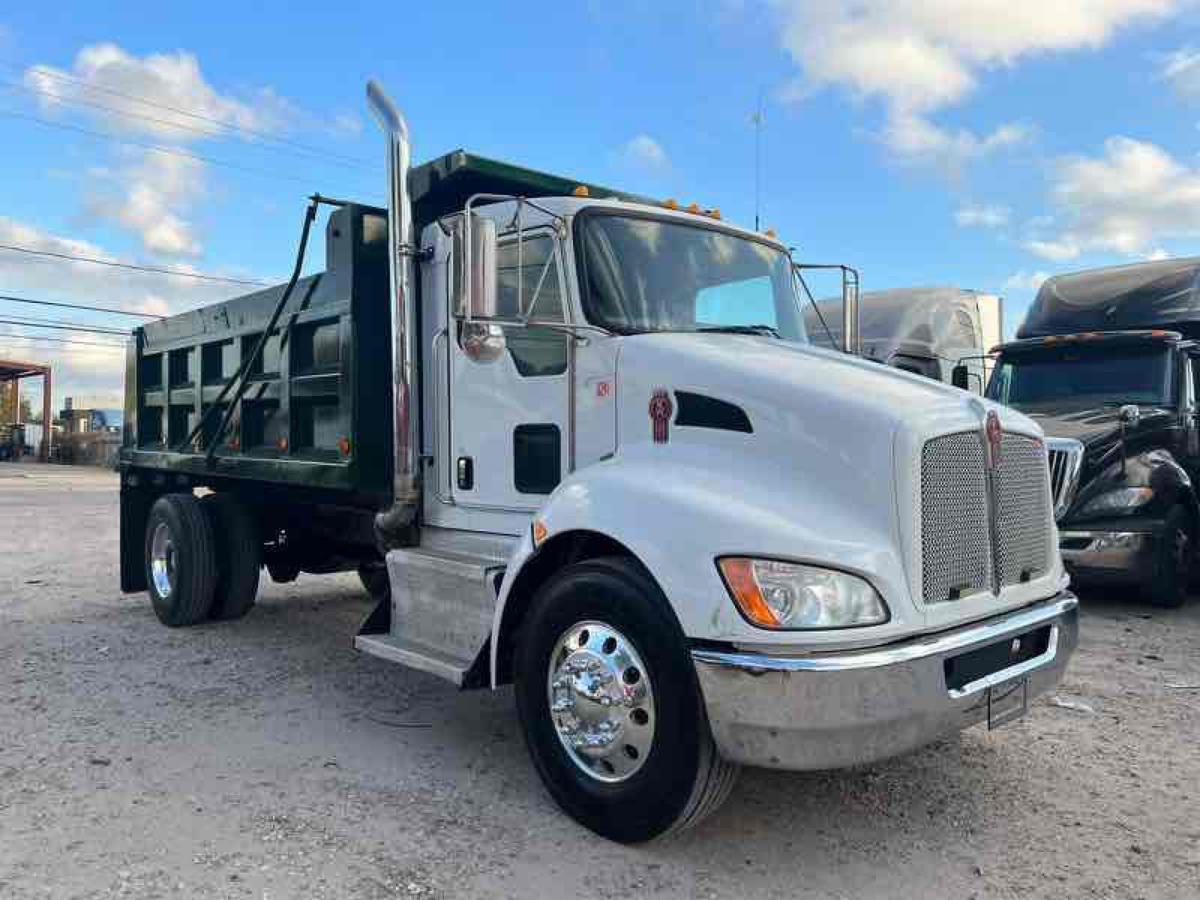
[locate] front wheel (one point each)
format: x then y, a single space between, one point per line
611 708
1173 558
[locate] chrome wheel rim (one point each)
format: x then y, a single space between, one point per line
162 560
601 701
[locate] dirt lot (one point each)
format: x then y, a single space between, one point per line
265 758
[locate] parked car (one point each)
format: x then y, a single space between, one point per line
1107 362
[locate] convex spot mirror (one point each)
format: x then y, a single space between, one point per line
474 278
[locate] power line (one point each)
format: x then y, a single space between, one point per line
191 114
63 326
166 123
154 148
158 270
33 337
101 309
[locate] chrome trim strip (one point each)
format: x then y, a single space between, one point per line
921 648
1063 493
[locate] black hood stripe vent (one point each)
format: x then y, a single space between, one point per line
702 411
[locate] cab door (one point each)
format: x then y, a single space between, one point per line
509 384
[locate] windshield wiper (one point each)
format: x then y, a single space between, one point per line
743 329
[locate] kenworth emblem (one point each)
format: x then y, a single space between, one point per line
661 409
994 436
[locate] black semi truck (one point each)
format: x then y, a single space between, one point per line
1108 362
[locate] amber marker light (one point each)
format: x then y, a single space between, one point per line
581 190
539 532
744 587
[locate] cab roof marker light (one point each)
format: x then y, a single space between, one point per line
581 190
671 203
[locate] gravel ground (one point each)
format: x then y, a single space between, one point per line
265 758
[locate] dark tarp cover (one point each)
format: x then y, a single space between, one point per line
1161 294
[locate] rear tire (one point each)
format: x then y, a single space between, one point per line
239 556
1174 556
609 614
181 565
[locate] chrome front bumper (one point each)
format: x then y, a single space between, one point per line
1119 555
830 710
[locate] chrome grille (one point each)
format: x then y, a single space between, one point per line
979 530
1066 456
955 544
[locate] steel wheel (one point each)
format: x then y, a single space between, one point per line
601 701
162 560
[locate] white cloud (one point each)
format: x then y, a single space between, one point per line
1181 68
973 216
151 198
922 57
164 97
1125 201
644 152
180 104
1025 281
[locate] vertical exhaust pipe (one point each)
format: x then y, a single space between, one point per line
396 525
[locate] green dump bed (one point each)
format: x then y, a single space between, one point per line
317 410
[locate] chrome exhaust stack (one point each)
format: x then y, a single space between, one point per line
396 527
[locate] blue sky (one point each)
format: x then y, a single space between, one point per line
978 144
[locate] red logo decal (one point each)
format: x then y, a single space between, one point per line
661 410
603 389
994 434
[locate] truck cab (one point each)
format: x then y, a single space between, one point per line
579 441
1105 365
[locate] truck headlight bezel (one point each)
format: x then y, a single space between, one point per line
782 595
1117 501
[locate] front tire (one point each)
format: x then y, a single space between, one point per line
181 564
1173 561
611 708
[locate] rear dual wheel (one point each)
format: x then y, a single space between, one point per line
611 708
202 559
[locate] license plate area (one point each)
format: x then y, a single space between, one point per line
976 667
1007 702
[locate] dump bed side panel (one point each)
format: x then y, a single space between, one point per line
317 409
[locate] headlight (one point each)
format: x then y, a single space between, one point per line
781 595
1118 501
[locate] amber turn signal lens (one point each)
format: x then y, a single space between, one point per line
539 533
739 577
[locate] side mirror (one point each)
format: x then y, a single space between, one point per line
475 278
1129 415
960 377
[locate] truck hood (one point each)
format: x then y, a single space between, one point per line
799 387
1097 428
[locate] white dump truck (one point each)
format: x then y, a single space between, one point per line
579 442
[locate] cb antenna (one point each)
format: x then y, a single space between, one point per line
757 120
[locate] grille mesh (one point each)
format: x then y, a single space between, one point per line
957 556
1022 510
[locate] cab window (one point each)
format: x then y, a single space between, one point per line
536 351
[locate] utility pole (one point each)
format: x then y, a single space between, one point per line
757 120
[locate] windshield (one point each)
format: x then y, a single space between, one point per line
644 274
1082 378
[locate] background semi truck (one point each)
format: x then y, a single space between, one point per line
943 333
1107 362
578 441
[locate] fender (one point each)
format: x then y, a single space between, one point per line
652 506
1157 469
